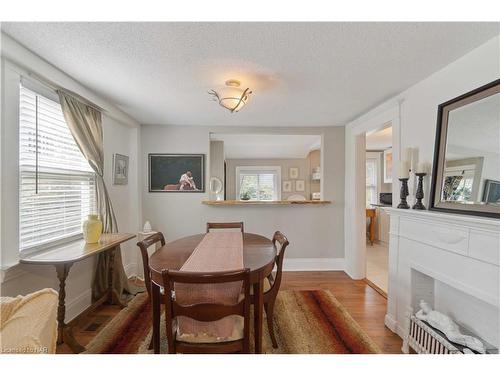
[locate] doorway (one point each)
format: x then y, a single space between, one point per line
378 176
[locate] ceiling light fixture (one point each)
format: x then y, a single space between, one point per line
231 96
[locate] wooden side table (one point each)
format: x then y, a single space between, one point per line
62 258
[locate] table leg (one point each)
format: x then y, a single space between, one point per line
63 331
258 289
113 297
155 300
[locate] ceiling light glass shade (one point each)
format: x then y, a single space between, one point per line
231 97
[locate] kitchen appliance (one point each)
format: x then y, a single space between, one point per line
385 198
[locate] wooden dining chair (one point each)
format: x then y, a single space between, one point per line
225 226
207 312
272 284
143 246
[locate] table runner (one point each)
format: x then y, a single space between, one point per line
219 251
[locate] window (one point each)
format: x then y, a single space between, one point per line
458 183
258 183
371 181
57 185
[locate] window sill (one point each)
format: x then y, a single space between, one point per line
263 203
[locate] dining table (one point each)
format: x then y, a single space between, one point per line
259 255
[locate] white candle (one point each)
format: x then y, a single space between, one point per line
421 167
414 159
408 155
404 169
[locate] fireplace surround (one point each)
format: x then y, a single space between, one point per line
452 262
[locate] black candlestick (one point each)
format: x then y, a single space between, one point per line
420 192
404 193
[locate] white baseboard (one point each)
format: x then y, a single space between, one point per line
78 305
313 264
390 323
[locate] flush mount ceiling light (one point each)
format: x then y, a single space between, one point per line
231 97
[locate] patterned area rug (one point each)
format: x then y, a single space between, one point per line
306 322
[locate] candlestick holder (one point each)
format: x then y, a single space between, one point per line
420 192
404 193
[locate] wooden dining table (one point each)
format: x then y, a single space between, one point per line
259 255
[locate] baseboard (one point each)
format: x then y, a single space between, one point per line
78 305
390 323
313 264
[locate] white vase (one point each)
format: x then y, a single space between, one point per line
147 227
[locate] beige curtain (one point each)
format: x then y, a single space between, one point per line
85 124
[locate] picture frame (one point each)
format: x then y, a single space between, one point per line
293 172
176 173
300 185
388 166
491 192
287 186
120 169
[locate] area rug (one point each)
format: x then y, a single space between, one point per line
306 322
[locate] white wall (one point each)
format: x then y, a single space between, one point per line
120 135
415 110
314 231
217 165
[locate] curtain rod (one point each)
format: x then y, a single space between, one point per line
55 86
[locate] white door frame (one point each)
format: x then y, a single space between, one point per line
355 169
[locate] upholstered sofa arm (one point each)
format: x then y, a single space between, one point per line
28 324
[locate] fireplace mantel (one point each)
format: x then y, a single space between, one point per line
452 260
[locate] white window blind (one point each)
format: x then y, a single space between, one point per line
258 183
57 185
371 181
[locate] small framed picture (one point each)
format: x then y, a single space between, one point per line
287 186
294 172
491 193
300 185
120 169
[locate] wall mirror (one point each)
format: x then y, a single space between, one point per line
466 170
266 167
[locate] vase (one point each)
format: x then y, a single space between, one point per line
92 229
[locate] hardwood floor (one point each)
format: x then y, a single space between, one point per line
364 304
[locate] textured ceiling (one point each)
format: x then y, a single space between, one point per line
302 74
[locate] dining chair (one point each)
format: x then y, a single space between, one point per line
143 246
225 226
272 284
207 312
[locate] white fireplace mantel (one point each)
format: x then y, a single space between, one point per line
451 260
